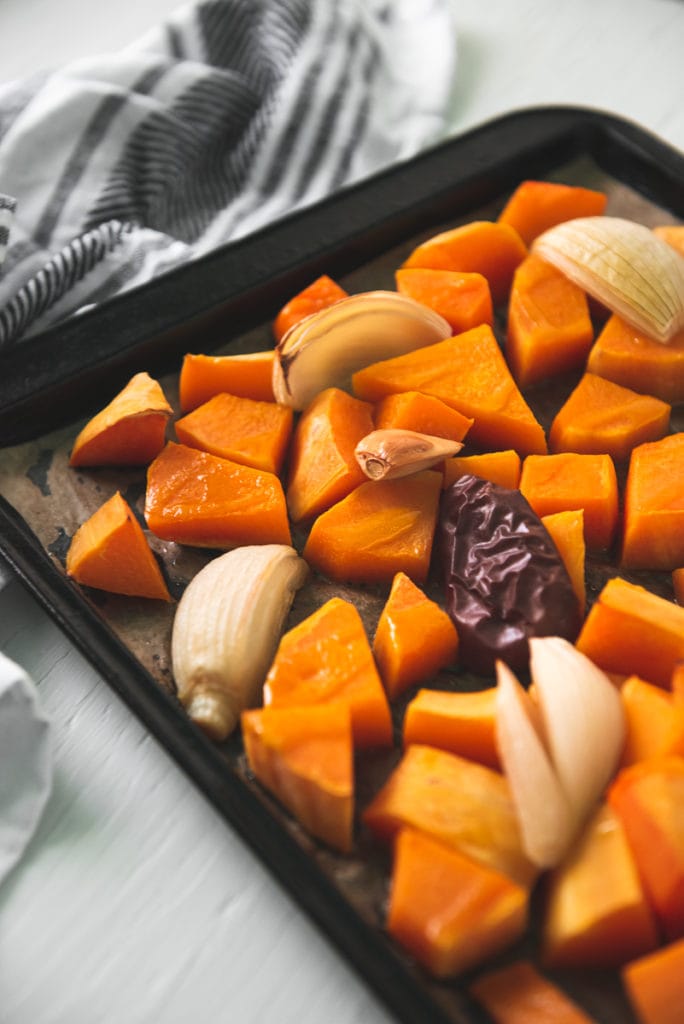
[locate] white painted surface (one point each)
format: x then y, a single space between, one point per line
135 902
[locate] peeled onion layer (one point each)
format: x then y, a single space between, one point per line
624 265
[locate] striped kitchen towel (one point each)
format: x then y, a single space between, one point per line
223 119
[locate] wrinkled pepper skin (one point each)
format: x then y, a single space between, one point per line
503 577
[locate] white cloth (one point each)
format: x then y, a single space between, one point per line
228 116
25 763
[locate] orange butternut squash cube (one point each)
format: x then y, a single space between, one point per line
320 294
629 357
462 803
412 410
325 658
648 798
469 373
655 985
678 584
567 533
110 552
595 912
673 234
129 431
536 206
448 911
196 498
549 328
304 756
655 722
601 417
414 640
519 994
323 467
247 376
464 300
252 433
568 482
630 630
463 722
381 528
501 468
653 535
480 247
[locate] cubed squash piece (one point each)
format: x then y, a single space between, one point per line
414 640
448 911
648 798
464 300
327 657
245 375
468 373
601 417
381 528
549 328
595 911
567 482
567 533
304 756
129 431
199 499
536 206
320 294
323 467
655 985
629 357
519 994
630 630
461 721
673 234
678 584
479 247
460 802
252 433
109 551
654 506
412 410
502 468
654 721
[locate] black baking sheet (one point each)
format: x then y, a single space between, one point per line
226 302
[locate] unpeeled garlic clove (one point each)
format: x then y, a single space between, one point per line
392 453
326 348
625 266
226 630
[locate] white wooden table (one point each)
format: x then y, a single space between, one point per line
135 903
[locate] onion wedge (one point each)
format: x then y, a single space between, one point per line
583 719
625 266
547 823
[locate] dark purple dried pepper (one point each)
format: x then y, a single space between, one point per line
504 579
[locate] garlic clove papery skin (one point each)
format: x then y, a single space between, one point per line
226 629
326 348
625 266
392 453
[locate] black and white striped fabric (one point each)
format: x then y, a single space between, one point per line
231 114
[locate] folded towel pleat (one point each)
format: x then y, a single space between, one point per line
227 117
